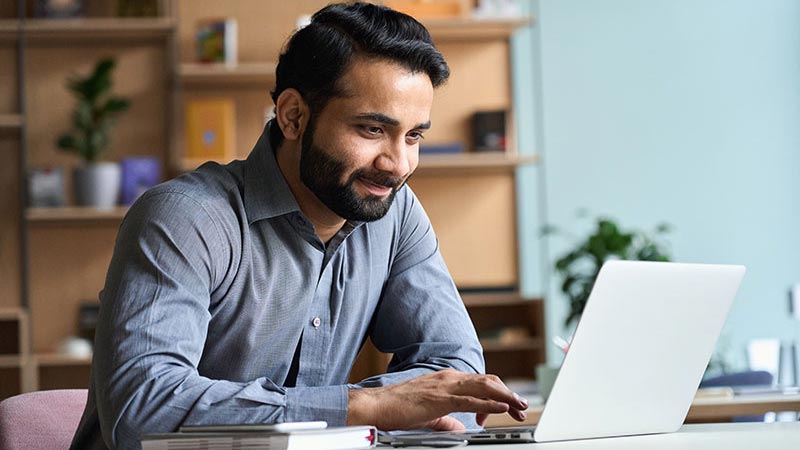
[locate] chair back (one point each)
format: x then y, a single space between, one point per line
42 420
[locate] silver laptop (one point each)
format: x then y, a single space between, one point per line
637 356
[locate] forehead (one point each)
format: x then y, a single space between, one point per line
377 85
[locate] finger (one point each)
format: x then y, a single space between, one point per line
484 386
517 415
480 418
465 403
446 423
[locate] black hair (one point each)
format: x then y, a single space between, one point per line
317 55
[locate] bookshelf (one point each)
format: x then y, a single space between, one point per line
462 193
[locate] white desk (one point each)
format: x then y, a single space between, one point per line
718 436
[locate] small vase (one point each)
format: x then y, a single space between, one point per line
97 184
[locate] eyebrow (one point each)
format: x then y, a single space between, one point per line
383 118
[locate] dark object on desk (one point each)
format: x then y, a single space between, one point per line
739 379
489 131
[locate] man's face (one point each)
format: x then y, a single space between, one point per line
363 146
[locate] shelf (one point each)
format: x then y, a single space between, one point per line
10 122
519 345
10 361
489 300
73 213
222 75
54 359
474 29
11 314
93 29
473 162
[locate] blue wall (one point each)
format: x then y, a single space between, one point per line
685 111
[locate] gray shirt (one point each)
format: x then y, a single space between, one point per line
217 278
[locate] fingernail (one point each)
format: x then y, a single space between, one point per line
523 415
522 400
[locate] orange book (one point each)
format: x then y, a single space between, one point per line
210 130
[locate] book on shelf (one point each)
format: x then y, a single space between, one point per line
217 41
210 129
335 438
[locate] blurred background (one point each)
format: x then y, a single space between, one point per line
571 132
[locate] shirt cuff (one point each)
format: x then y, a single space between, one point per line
328 403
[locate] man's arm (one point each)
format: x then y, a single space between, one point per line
169 259
422 320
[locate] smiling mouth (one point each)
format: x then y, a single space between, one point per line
375 189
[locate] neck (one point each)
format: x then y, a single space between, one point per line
326 222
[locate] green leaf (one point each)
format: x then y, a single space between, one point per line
67 142
115 105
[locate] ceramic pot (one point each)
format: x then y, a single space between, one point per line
97 184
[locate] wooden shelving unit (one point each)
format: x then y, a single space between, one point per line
153 46
92 29
474 29
221 75
474 162
73 214
10 122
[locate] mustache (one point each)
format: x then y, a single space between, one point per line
380 178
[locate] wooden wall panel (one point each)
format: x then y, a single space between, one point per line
479 80
473 216
9 96
10 289
68 267
263 26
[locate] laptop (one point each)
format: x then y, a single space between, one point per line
637 356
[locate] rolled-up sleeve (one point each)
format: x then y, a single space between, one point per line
169 257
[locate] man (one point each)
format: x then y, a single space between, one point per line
243 293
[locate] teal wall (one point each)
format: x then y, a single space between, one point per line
685 111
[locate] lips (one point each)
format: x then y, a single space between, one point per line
374 188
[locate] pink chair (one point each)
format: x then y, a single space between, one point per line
43 420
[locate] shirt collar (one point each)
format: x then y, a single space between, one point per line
266 193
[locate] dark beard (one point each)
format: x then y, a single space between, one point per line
321 173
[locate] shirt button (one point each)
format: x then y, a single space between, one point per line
316 322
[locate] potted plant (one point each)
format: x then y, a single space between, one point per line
95 183
579 267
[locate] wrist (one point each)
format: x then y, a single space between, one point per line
359 407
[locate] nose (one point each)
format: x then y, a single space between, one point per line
395 158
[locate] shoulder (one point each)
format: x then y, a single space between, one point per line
210 193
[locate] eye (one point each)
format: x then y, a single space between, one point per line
415 136
372 130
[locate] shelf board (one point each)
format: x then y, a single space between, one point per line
10 361
528 344
54 359
222 75
474 300
471 29
12 314
100 29
73 213
473 162
9 122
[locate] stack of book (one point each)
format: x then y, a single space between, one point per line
287 436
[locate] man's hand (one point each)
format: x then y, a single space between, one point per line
426 401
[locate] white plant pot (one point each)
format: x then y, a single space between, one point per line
97 184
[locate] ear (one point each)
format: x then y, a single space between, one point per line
292 114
